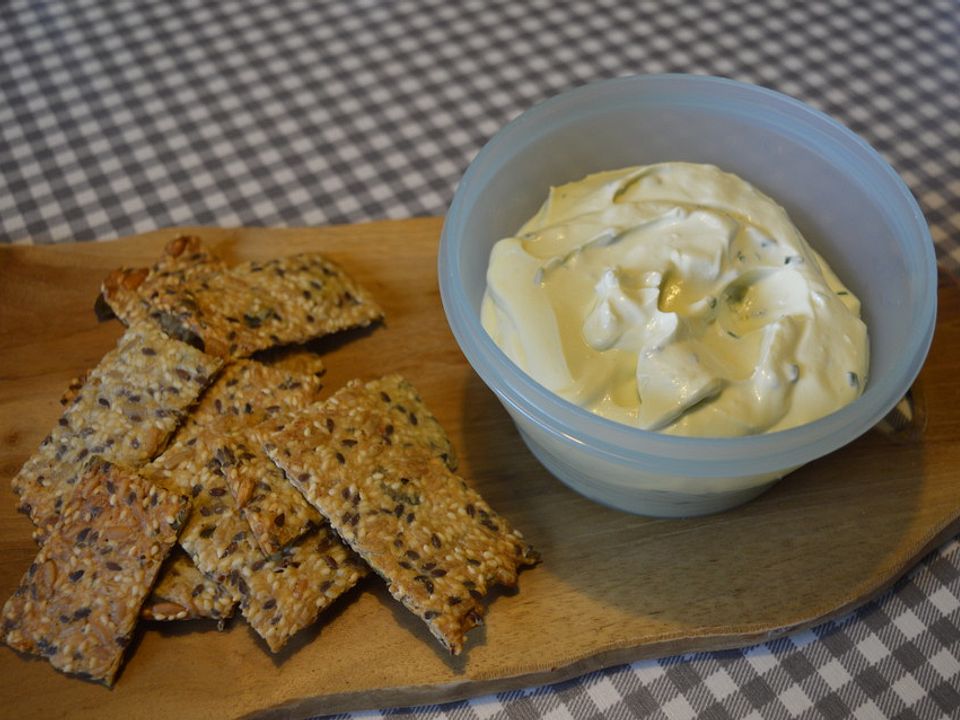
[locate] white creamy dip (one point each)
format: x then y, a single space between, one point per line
679 298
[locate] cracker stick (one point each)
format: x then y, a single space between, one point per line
182 592
278 595
288 591
276 511
79 601
260 305
125 410
434 540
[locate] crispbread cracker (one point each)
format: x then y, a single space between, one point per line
276 512
434 540
245 394
229 318
311 292
183 592
278 595
388 407
79 601
130 293
125 411
237 311
288 591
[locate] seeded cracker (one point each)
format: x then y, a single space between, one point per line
276 512
235 312
279 595
245 394
73 389
435 541
79 601
184 593
125 411
313 293
259 305
389 408
129 292
248 392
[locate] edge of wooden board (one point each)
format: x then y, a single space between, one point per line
708 638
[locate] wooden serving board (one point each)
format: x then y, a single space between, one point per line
612 587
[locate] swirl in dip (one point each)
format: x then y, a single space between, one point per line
676 297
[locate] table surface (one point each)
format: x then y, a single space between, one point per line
121 117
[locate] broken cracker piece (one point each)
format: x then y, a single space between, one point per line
275 510
434 540
389 408
255 306
311 291
125 411
129 293
279 595
245 394
237 311
79 601
183 592
289 590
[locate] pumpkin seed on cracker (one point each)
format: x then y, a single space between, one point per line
124 411
435 541
79 601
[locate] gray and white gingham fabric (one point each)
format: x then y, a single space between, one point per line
119 116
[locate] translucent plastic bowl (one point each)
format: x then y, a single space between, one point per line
850 205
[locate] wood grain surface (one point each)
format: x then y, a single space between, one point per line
612 587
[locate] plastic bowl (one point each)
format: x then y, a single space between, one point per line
849 204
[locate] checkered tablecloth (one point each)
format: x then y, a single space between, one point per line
122 116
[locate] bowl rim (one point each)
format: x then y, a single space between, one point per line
649 450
